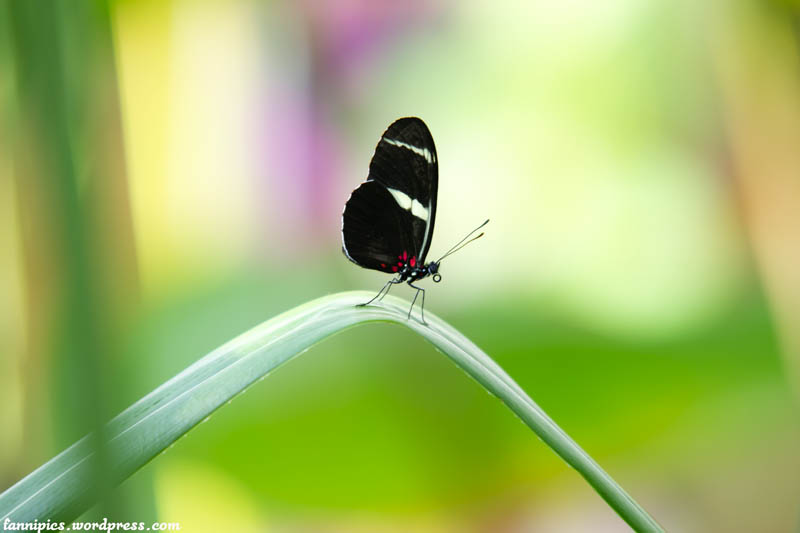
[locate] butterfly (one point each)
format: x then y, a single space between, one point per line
388 221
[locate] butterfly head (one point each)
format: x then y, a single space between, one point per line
433 270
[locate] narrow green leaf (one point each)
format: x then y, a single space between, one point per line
60 489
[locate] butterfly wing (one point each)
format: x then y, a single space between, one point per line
375 231
394 211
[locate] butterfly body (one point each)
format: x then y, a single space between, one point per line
413 273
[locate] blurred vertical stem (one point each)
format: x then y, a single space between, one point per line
11 321
757 59
77 237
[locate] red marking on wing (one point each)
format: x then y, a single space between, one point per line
383 265
394 269
405 255
399 263
413 261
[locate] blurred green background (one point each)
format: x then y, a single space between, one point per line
173 173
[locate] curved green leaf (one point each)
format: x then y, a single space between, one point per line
63 487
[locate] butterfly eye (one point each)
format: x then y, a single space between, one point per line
437 278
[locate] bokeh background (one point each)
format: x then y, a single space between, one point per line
172 172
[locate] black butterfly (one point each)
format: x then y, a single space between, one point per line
387 223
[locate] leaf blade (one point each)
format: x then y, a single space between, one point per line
59 490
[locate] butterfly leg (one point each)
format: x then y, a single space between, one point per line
389 286
380 292
422 307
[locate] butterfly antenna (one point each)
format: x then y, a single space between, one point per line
460 244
